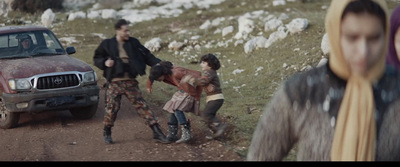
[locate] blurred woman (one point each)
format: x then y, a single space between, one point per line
394 39
345 110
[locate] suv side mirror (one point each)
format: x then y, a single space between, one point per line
70 50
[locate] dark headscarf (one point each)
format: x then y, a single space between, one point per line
391 57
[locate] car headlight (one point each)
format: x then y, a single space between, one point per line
89 77
19 84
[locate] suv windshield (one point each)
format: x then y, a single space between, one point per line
31 43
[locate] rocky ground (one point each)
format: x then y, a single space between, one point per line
57 136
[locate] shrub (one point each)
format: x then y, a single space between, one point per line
33 6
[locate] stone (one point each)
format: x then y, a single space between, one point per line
48 17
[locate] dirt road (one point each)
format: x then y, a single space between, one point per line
57 136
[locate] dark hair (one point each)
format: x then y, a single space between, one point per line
120 23
160 69
25 37
211 60
366 6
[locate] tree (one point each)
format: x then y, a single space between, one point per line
32 6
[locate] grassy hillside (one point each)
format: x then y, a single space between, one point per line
246 93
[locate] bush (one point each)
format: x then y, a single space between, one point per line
32 6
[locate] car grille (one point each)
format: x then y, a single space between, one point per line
57 81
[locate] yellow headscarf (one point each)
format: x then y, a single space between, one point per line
355 131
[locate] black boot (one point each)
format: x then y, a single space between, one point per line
107 135
158 135
172 132
186 134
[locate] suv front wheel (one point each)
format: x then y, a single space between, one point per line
84 112
8 119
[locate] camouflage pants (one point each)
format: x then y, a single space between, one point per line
131 90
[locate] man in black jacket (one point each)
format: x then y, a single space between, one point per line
122 58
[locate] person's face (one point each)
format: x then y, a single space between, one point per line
26 43
123 32
204 65
397 43
160 78
362 41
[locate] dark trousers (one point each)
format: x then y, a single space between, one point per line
210 112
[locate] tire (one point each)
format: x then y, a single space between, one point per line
8 119
84 112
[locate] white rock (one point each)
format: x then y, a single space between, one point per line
255 43
238 42
249 46
258 13
197 47
96 6
280 34
187 6
68 40
164 9
322 62
278 2
283 16
260 42
196 37
48 17
205 25
76 15
227 30
237 71
137 3
246 26
297 25
269 17
153 45
272 24
325 47
175 45
135 16
93 15
108 14
217 31
217 21
102 36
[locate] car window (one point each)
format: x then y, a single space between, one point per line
41 43
10 40
51 41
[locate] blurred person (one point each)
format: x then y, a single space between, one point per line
186 99
123 58
26 44
394 39
215 99
346 110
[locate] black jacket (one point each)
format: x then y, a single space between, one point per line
139 57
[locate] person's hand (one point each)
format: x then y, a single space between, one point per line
109 62
149 90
